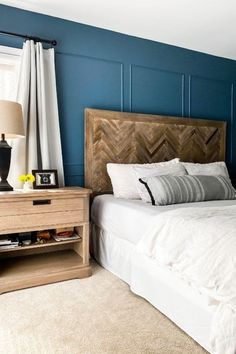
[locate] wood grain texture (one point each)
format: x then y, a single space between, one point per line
54 261
23 272
120 137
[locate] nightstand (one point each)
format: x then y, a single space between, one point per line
37 264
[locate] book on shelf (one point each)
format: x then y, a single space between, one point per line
13 245
61 238
9 241
5 242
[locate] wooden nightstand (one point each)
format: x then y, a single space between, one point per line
38 264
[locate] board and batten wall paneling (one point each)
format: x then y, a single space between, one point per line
98 83
102 69
216 98
153 90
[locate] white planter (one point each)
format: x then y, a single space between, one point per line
26 186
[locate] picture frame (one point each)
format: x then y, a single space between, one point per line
45 179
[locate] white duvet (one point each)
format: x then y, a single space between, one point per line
199 244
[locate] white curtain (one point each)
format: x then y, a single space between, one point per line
41 147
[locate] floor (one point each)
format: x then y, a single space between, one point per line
88 316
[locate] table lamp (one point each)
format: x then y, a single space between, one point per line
11 126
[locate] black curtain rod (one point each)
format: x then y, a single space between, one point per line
35 39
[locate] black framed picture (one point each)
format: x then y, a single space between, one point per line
45 179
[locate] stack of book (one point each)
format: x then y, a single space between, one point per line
6 243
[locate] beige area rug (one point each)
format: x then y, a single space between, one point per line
89 316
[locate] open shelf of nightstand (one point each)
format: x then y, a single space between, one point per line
30 270
34 246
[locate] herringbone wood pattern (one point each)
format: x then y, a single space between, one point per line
135 138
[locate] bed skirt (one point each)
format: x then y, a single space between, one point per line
183 305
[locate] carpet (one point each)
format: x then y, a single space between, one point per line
97 315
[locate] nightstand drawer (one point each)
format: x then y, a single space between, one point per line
42 221
41 205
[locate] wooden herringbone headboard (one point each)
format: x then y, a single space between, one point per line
140 138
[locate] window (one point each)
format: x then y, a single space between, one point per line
9 70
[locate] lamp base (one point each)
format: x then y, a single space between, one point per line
5 186
5 158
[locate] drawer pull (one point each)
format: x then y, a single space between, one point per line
41 202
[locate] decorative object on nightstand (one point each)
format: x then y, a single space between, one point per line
45 179
27 181
11 126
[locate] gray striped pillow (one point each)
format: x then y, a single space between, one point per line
165 190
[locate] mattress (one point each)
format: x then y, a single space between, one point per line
129 219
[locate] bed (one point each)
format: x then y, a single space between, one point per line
118 225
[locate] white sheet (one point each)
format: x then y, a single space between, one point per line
129 219
199 245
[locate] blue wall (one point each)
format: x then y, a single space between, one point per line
102 69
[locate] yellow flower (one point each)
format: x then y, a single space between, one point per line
30 178
22 178
26 178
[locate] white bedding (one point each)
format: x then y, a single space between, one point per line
128 221
199 245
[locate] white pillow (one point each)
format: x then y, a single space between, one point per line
176 169
206 169
123 177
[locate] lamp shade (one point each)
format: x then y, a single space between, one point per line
11 119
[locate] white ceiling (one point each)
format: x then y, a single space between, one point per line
207 26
